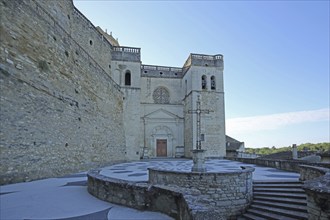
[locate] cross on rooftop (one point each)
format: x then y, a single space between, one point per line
198 112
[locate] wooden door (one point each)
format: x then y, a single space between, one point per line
161 148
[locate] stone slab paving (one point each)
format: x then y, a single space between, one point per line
63 198
138 171
66 198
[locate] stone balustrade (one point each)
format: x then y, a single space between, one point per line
127 49
204 60
206 57
131 54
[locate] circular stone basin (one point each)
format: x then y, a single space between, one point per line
221 191
228 191
235 182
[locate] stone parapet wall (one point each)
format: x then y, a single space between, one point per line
318 192
204 60
131 54
288 165
117 191
161 71
189 199
316 185
311 172
60 111
228 192
140 196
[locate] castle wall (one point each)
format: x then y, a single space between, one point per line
81 30
60 110
91 40
66 104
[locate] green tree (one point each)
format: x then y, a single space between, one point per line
306 146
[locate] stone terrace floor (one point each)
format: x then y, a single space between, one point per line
66 198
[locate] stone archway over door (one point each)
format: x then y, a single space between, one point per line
161 148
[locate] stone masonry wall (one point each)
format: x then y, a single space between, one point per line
311 172
212 99
213 124
318 192
81 30
228 192
189 126
288 165
316 177
176 201
60 110
137 195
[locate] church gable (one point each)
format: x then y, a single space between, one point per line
162 114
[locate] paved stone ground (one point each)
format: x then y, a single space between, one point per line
137 171
67 198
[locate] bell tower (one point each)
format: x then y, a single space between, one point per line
203 77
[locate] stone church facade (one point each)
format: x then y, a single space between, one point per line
72 98
158 100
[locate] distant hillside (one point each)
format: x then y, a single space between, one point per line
319 147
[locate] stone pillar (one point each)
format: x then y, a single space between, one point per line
198 161
294 152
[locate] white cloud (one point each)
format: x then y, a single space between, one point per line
274 121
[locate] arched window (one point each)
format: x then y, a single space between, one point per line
161 95
213 87
204 82
128 78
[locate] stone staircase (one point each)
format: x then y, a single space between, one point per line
283 200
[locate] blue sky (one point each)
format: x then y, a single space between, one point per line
276 56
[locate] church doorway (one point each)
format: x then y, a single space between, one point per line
161 148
